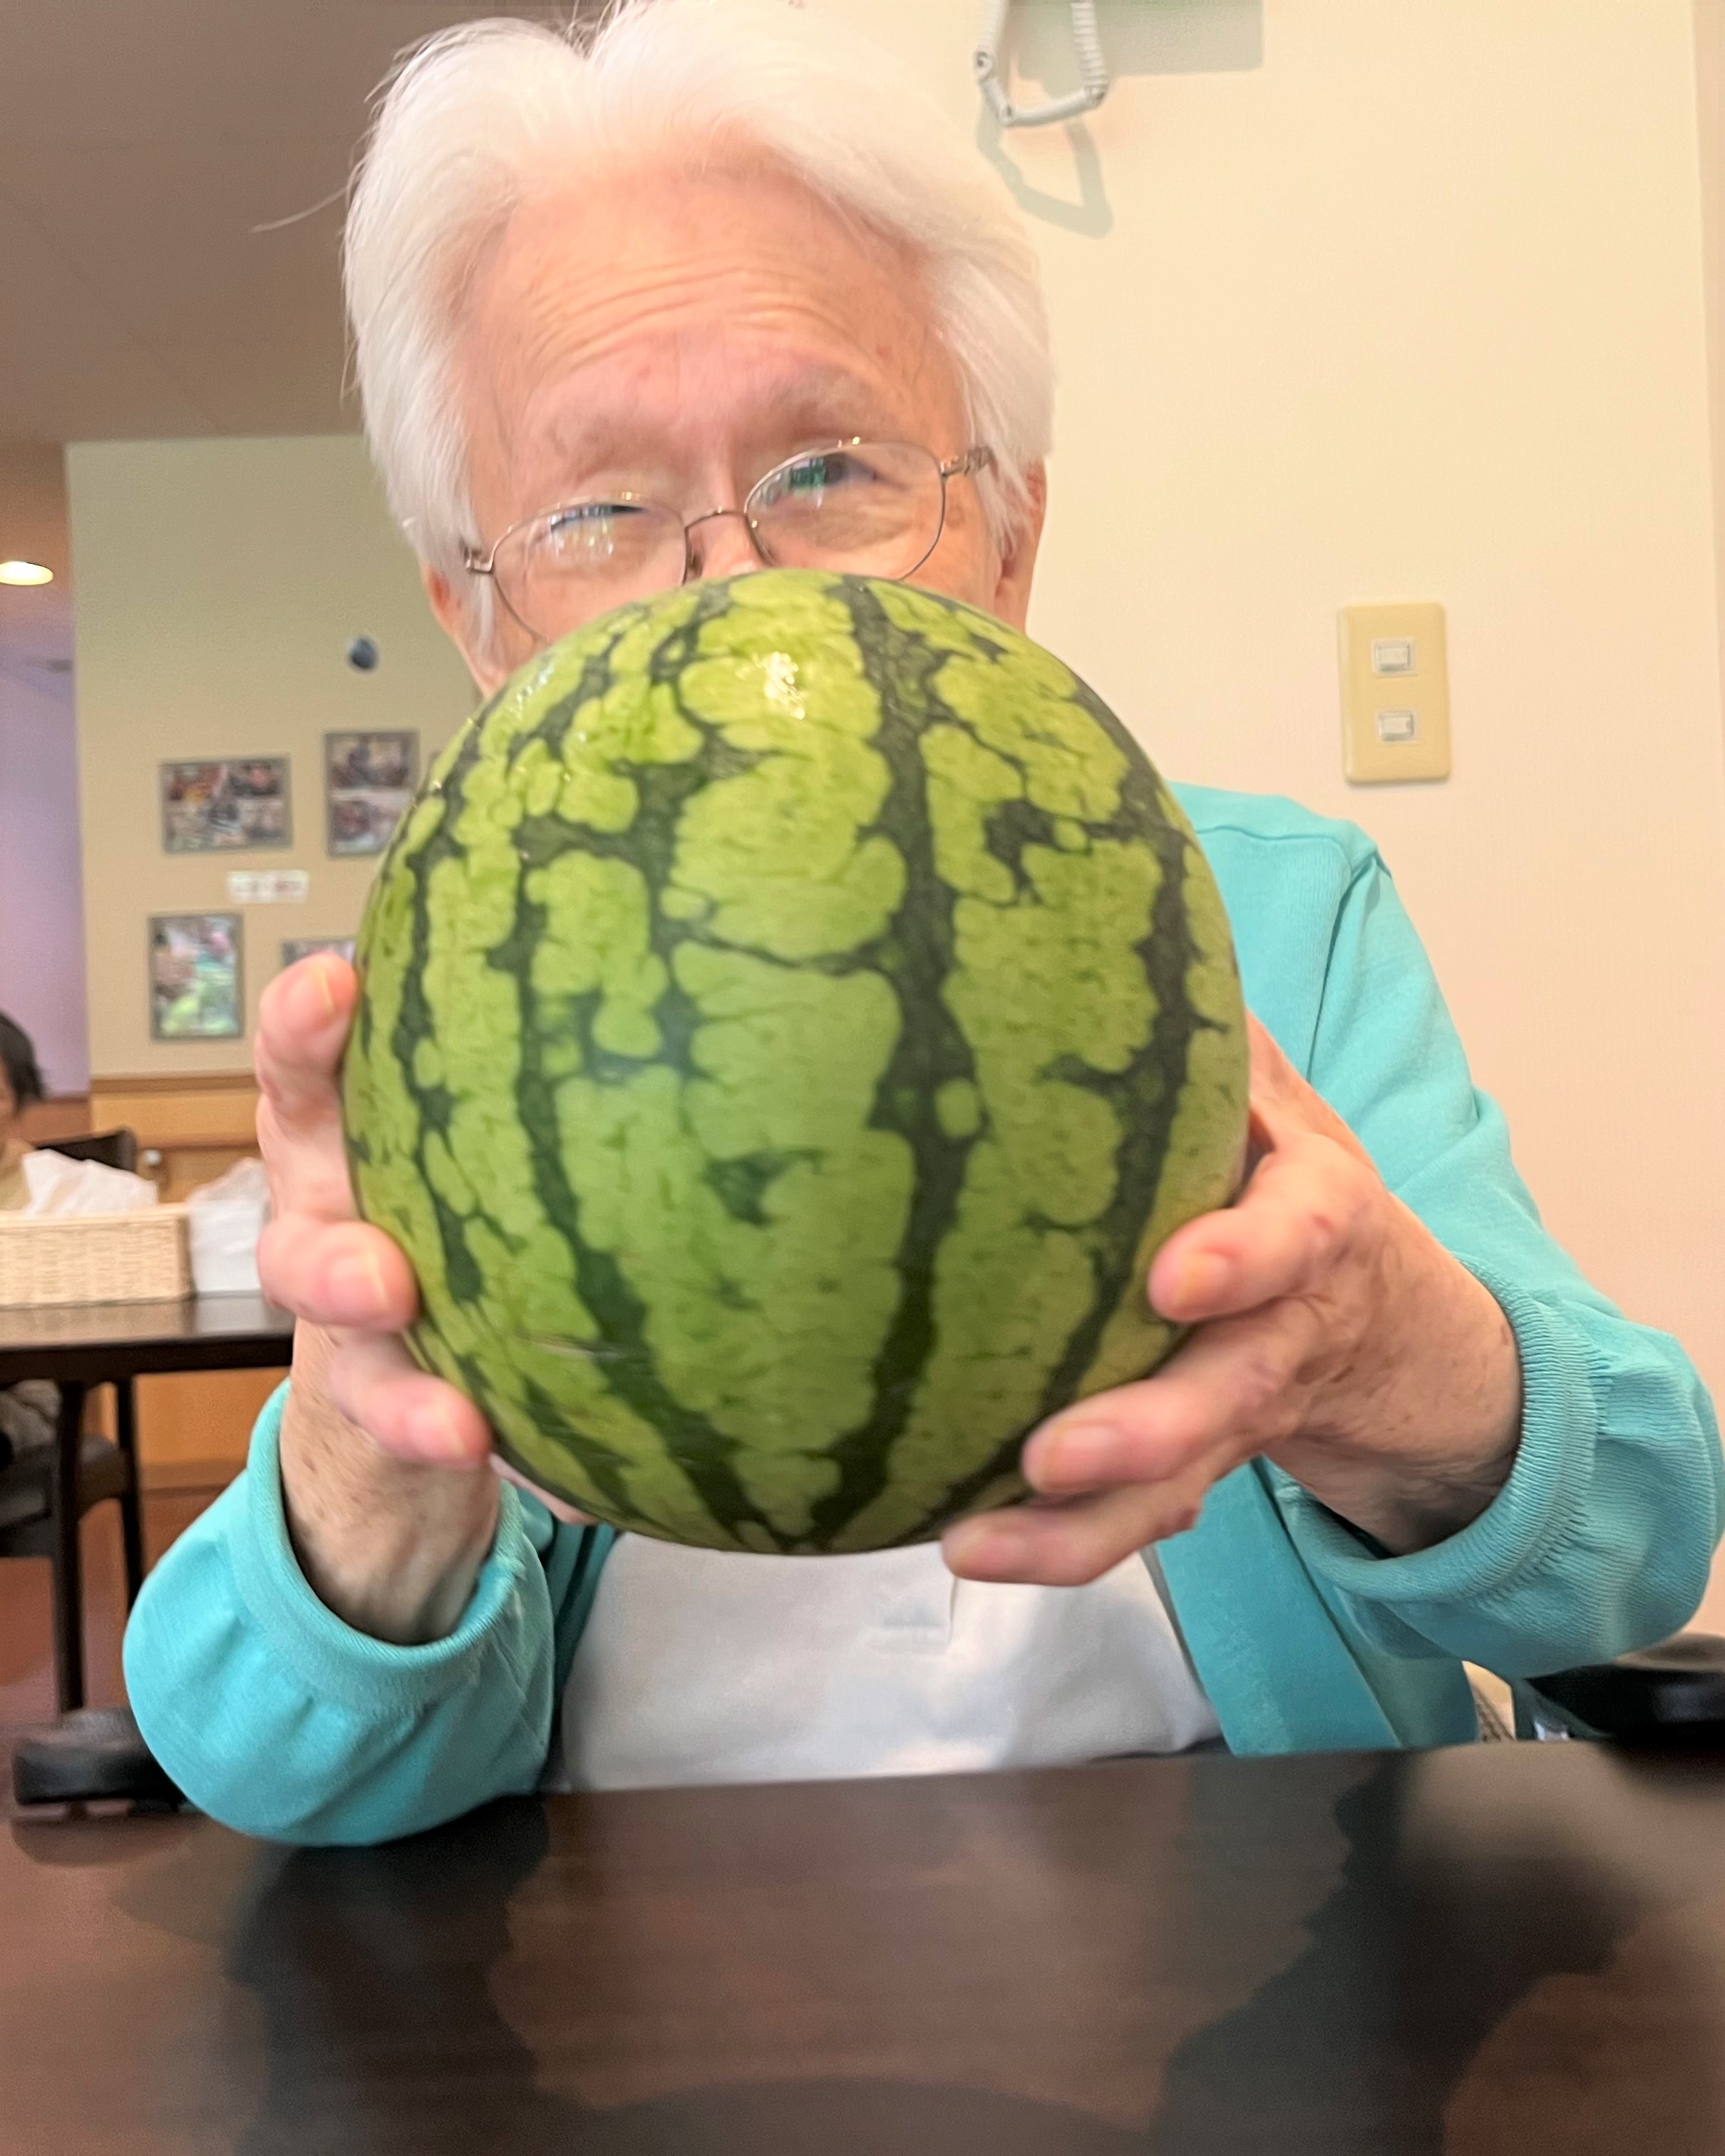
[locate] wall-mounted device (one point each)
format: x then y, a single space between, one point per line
1093 68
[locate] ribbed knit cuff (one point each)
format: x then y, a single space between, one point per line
1528 1518
329 1658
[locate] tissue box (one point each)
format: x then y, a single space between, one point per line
226 1217
94 1257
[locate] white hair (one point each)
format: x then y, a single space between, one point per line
478 116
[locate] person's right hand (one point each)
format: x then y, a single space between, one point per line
388 1508
316 1258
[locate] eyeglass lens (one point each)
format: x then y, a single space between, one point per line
873 509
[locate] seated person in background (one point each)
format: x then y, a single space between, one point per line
1409 1432
32 1182
20 1089
27 1410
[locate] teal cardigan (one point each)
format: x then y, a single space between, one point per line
277 1717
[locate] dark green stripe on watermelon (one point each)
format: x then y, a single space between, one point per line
916 956
793 1016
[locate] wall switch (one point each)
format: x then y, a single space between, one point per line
1395 694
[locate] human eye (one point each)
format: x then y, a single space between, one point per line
808 480
593 532
833 468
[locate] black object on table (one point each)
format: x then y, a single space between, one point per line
92 1755
1497 1947
83 1345
1669 1694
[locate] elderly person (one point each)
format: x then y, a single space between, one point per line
611 304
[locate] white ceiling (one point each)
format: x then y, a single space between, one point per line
141 142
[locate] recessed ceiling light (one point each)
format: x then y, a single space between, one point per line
24 572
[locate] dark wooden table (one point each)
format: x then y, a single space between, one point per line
81 1345
1496 1949
98 1343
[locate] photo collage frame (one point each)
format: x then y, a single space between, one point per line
195 961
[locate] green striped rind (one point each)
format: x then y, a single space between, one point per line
794 1014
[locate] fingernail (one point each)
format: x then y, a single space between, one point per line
433 1436
357 1284
993 1551
1202 1281
326 995
311 993
1076 1458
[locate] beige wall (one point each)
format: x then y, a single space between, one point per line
219 586
1710 110
1413 309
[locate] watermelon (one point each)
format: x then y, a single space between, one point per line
793 1015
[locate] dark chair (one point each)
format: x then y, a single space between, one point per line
44 1493
106 1148
1662 1696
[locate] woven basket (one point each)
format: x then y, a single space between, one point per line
94 1257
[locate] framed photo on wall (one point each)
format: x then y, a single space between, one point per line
223 807
296 947
197 991
369 781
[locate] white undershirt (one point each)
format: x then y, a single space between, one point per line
697 1666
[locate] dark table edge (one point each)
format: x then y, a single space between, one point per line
101 1364
246 1345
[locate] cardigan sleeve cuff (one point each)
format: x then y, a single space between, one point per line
1531 1517
329 1658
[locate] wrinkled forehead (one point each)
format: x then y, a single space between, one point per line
633 282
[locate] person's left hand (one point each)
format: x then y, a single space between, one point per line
1337 1337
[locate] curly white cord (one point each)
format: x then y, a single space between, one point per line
1093 68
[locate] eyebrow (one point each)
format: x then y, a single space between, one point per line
823 404
820 392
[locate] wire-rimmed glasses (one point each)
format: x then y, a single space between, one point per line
873 509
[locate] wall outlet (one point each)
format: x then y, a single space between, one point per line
1395 694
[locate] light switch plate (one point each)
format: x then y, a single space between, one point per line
1395 693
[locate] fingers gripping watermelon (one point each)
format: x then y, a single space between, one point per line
792 1015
